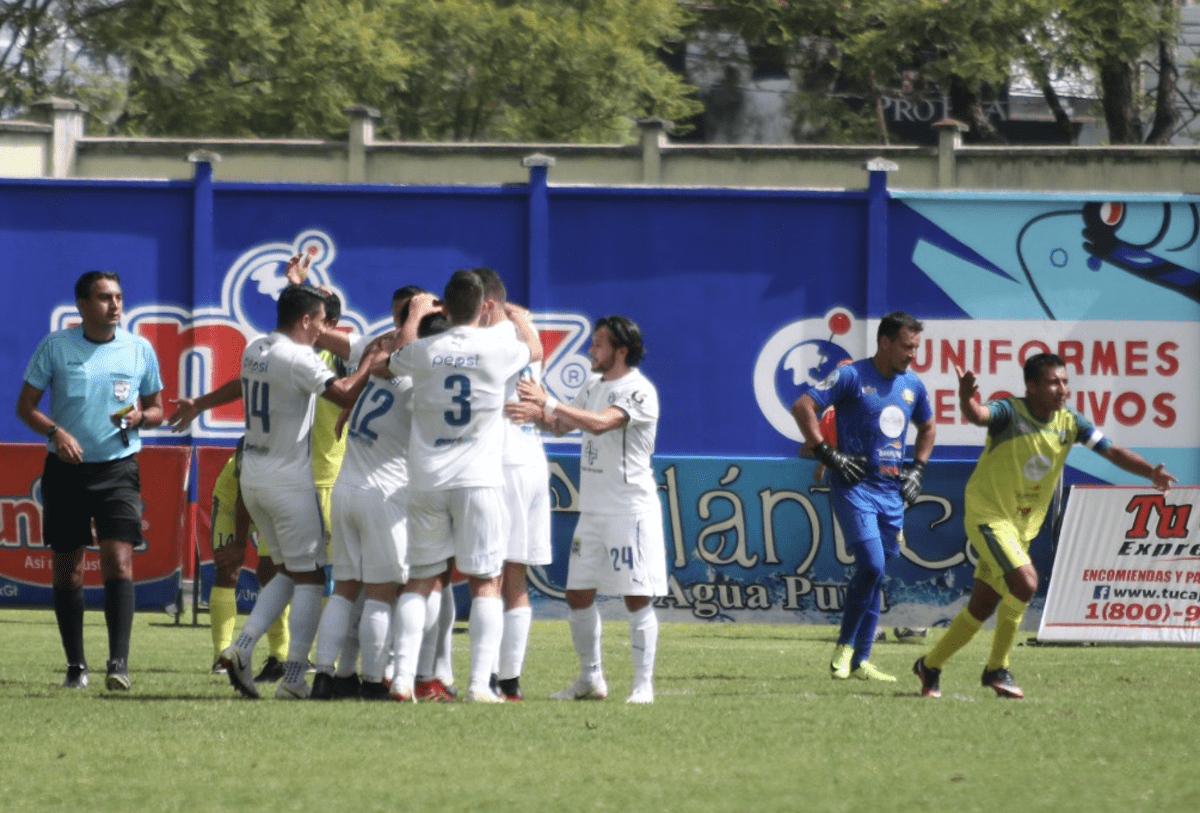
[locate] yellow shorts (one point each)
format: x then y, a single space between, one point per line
1001 550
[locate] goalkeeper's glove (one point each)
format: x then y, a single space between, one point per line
850 469
910 481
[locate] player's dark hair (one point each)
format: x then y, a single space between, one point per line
625 333
493 286
891 325
333 307
464 292
407 292
294 302
432 324
1034 365
83 285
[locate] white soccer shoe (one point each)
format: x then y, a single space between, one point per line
593 688
237 669
641 694
481 695
292 691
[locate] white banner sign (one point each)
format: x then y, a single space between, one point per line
1127 568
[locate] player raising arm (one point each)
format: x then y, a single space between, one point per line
1006 499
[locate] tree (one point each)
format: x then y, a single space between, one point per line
436 69
966 48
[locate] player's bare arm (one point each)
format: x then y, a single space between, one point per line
147 414
525 331
804 410
344 391
560 418
188 409
968 398
1134 463
65 445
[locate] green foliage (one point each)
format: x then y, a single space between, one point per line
745 719
436 69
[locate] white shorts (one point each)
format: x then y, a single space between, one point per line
619 554
527 500
289 525
466 523
370 536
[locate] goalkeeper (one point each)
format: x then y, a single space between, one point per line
875 399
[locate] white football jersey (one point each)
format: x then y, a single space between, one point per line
459 380
616 472
522 442
377 434
280 382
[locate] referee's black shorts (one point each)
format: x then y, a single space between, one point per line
74 495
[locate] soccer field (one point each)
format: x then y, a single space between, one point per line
746 719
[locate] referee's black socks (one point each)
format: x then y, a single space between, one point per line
68 611
118 616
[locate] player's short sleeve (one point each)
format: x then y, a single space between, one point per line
639 402
922 412
513 352
1000 415
358 346
1086 433
309 373
404 361
40 369
826 392
151 377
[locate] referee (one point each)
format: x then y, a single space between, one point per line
104 385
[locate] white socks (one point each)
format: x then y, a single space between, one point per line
270 604
585 635
303 620
408 623
335 620
643 641
373 640
485 627
515 641
430 637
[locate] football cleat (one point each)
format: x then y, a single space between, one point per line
77 676
371 691
401 694
432 691
271 672
481 694
1001 680
510 689
839 664
116 677
929 676
322 687
346 686
237 669
866 671
641 694
291 691
593 688
217 669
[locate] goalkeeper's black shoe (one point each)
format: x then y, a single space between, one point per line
1001 680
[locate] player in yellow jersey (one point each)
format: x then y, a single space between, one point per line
1006 499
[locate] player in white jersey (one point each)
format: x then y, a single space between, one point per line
281 377
527 500
455 507
618 547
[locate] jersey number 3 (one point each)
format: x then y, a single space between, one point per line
462 400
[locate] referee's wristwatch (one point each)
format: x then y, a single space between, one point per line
50 432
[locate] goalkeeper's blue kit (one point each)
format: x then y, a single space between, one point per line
873 414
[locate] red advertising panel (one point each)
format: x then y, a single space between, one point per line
25 561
